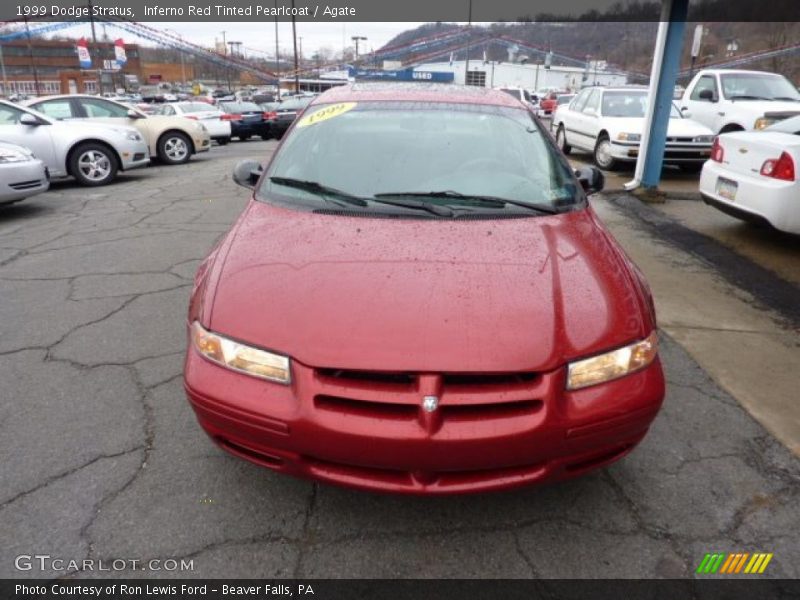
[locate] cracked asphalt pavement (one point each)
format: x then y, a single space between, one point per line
103 459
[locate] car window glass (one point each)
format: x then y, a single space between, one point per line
466 147
580 100
57 109
99 108
592 103
758 85
167 110
9 115
706 82
194 107
240 107
791 125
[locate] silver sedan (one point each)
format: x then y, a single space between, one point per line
92 153
21 174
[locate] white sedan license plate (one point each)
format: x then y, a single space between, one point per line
727 188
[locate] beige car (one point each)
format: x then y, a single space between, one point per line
172 139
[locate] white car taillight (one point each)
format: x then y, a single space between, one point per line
779 168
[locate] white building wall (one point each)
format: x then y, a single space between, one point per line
528 76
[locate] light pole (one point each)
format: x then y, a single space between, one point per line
294 41
277 53
356 39
469 37
3 68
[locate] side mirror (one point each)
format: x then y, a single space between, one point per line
591 179
29 119
686 113
132 114
247 173
706 95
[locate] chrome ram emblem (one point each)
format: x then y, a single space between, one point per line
430 403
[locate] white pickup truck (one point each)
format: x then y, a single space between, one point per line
730 100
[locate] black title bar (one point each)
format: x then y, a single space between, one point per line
392 10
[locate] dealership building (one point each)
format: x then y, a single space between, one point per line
493 74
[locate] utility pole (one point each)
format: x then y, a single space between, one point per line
294 41
30 55
97 50
469 36
277 53
224 44
356 39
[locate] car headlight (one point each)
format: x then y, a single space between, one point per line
704 139
612 365
239 357
763 123
629 137
129 135
13 156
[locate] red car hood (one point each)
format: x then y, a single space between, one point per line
426 295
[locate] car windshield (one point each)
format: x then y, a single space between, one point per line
630 104
513 92
758 86
401 148
239 107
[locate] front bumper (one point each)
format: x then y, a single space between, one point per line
202 141
23 179
133 155
675 153
377 436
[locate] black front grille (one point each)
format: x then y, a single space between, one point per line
139 156
345 375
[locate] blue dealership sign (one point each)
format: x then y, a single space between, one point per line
401 75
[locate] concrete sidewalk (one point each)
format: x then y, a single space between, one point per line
739 321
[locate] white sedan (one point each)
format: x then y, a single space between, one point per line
21 174
215 120
753 175
609 122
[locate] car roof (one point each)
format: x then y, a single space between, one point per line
416 92
58 96
739 71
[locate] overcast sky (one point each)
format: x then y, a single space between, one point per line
260 37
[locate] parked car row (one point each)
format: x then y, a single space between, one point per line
92 138
739 129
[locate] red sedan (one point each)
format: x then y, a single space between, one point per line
418 298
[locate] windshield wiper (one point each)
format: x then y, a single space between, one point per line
748 97
317 188
788 98
488 201
439 211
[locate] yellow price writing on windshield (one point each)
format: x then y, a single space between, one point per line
329 112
